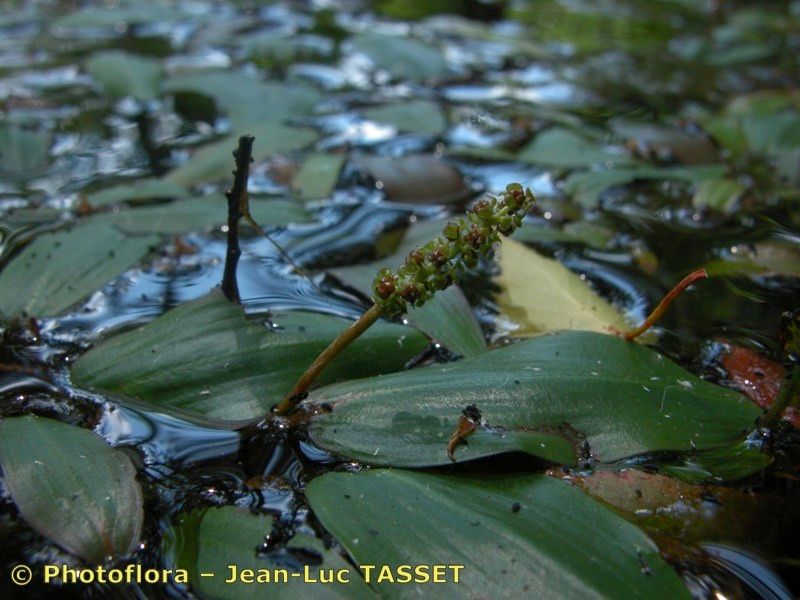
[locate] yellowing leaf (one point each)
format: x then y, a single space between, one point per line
539 295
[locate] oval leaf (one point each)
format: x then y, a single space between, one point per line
57 270
540 294
212 540
71 487
622 398
557 539
204 357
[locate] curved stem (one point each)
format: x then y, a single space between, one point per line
789 395
345 338
662 307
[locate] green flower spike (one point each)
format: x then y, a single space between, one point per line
437 264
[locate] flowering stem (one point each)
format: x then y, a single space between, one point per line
432 267
662 307
345 338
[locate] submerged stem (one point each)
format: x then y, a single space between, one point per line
345 338
789 395
662 307
244 156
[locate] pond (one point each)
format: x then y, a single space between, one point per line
659 138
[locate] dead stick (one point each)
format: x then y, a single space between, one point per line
244 156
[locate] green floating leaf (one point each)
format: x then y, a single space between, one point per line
210 541
540 295
402 58
271 49
23 151
204 357
728 463
762 258
124 74
415 178
558 539
447 317
587 186
213 162
581 232
59 269
201 214
71 487
318 176
624 398
414 116
686 148
562 148
137 192
718 194
251 104
128 13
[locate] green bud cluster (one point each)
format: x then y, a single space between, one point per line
436 265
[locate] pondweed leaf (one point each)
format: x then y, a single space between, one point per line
71 487
526 536
204 357
542 396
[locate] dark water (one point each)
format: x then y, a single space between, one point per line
590 73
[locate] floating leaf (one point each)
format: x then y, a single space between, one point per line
718 194
560 147
209 541
401 57
252 105
727 463
71 487
688 149
419 178
124 74
318 176
557 539
212 162
623 398
539 295
206 358
201 214
59 269
763 258
414 116
127 13
587 186
447 317
23 151
581 232
136 192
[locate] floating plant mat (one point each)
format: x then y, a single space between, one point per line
204 357
540 396
519 536
71 487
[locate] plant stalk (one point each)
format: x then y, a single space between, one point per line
345 338
244 156
662 307
789 395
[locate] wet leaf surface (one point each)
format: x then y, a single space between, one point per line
552 541
415 116
123 74
58 270
208 541
71 487
204 357
622 398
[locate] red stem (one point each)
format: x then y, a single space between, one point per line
662 307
